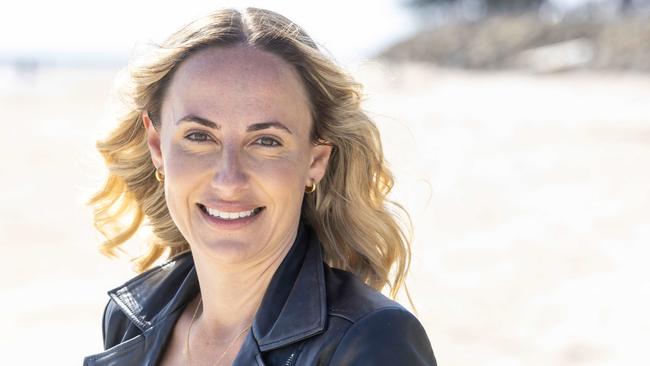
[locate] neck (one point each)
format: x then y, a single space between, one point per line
231 293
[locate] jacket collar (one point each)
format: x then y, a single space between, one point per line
294 306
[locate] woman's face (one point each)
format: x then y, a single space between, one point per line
235 151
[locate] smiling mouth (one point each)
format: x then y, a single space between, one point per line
231 216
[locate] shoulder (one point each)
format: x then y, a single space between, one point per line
347 296
379 330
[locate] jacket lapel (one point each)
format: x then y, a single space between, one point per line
294 305
155 294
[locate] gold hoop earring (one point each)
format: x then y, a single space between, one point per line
310 189
159 176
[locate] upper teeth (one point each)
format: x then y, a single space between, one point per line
229 215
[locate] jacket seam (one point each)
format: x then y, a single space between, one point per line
119 348
329 363
341 313
342 316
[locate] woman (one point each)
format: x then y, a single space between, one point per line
247 152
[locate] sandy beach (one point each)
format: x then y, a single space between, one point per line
528 193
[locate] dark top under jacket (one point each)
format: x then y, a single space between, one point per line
311 314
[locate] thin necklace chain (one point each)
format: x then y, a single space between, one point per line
187 339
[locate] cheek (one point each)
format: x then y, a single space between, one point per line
279 177
182 164
183 172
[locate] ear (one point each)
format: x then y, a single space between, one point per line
320 156
153 140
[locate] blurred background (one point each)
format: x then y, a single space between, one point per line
518 131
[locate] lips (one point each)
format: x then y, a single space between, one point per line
249 216
231 213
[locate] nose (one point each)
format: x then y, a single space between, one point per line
230 176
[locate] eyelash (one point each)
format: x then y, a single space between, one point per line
274 142
206 138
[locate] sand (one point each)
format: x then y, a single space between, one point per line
529 197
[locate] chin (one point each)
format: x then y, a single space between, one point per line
227 251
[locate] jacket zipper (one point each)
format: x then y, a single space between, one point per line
290 360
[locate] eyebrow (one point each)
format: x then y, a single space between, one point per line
254 127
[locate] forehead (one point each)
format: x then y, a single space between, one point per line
239 82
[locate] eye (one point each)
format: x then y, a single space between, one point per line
268 141
198 137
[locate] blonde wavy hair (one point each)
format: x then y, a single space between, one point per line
360 229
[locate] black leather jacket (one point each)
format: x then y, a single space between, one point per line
311 314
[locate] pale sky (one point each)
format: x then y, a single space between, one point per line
350 30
